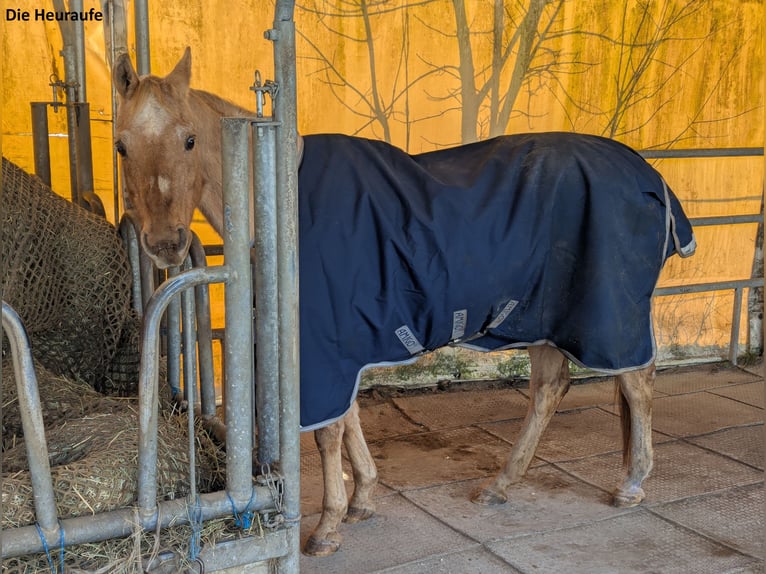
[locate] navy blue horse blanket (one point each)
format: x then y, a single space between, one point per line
522 239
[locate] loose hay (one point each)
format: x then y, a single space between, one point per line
66 274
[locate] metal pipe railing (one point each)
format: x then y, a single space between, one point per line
31 420
40 144
266 288
123 522
238 299
204 333
285 113
148 397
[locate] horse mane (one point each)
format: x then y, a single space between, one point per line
221 106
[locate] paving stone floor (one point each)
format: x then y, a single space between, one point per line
704 511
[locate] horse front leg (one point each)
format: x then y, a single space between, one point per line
325 539
549 382
635 390
363 466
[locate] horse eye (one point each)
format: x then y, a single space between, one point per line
189 145
120 147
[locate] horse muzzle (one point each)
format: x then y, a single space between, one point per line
167 250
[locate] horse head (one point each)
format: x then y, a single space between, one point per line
157 139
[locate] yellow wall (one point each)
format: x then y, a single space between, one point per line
702 87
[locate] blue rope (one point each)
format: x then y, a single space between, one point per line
245 519
195 544
45 548
62 544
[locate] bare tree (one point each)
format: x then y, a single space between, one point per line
522 49
377 104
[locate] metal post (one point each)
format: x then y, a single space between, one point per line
266 290
84 151
141 14
129 233
173 334
735 320
31 420
40 143
238 299
204 334
285 112
70 75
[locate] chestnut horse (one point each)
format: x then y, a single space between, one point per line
169 139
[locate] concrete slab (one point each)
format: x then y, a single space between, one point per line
433 458
462 408
680 380
381 419
637 543
699 413
743 443
734 517
748 393
587 395
572 434
312 482
548 499
473 561
680 470
398 534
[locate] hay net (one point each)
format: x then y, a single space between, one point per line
66 273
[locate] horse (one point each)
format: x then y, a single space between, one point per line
169 141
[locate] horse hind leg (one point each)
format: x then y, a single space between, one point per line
635 400
548 384
361 506
325 538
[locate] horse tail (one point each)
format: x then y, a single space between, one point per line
625 426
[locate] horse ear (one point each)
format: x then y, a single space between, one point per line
125 77
181 74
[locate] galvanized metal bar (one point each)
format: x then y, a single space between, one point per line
726 220
147 273
121 523
173 338
31 420
148 393
285 112
129 234
238 299
700 152
84 148
735 323
40 143
702 287
204 334
141 20
266 290
70 75
190 377
78 43
189 334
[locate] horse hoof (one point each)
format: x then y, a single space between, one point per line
627 499
489 497
322 546
357 514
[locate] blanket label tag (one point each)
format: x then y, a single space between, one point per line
459 320
510 306
408 339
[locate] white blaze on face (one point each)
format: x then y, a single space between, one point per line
163 183
151 119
